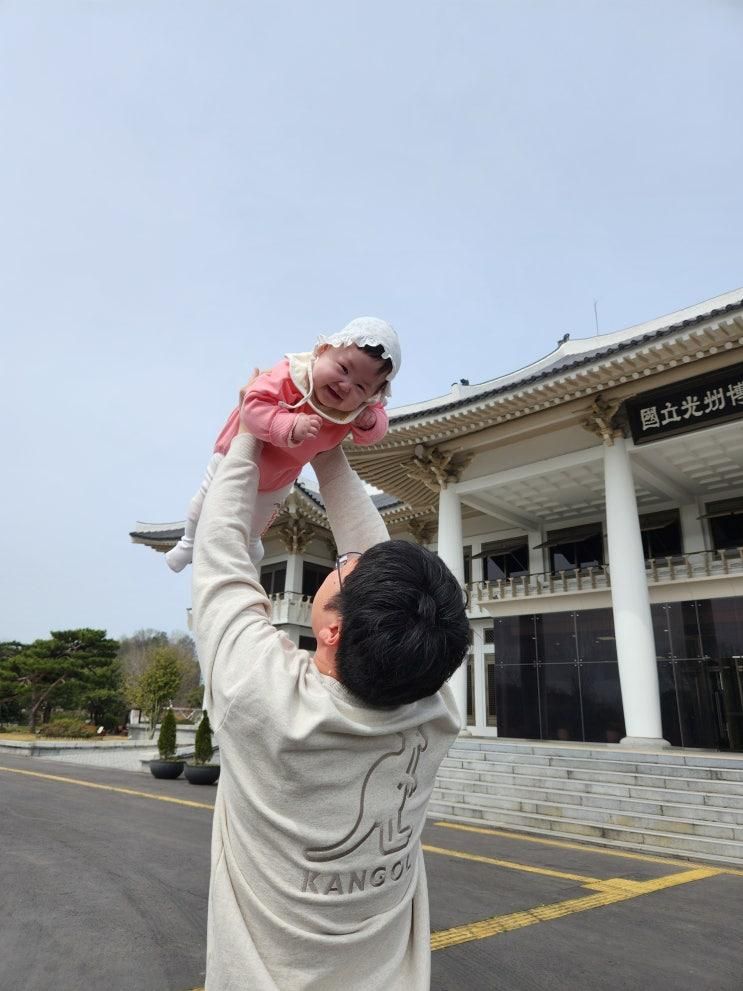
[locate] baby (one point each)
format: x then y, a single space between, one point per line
306 404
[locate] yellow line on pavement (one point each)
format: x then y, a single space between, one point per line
511 865
608 893
430 849
120 791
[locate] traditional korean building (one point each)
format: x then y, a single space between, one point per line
592 502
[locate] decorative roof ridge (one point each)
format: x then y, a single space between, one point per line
381 501
306 490
464 395
157 527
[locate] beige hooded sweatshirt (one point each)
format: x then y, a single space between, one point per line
317 875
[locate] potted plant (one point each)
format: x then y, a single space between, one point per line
202 771
168 766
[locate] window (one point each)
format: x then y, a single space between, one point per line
726 523
467 553
575 547
313 575
273 578
505 559
661 534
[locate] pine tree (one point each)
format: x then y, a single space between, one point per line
166 739
203 749
71 665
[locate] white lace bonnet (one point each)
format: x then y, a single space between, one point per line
366 332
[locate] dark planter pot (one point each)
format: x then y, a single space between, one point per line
202 774
166 768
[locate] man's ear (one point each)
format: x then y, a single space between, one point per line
329 633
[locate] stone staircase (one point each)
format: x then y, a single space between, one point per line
682 803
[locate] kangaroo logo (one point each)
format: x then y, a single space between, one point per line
396 769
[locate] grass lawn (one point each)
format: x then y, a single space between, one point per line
31 738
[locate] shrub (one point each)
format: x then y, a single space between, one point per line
166 739
109 722
203 749
68 727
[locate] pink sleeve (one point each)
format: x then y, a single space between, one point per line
375 433
261 412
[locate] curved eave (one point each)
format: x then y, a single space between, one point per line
618 365
158 541
636 353
163 536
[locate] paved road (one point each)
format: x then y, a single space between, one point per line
106 887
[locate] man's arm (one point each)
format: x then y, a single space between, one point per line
231 613
353 517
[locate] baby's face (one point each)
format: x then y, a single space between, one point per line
344 378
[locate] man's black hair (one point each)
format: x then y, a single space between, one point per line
375 351
404 625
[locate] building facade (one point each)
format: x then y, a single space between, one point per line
592 502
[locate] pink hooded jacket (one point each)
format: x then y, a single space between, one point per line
264 412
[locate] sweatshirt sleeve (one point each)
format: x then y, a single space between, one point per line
261 412
231 612
374 434
353 517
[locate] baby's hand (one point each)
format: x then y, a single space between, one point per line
306 426
366 419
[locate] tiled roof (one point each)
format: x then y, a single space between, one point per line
561 363
169 533
381 500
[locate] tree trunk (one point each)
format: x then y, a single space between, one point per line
32 714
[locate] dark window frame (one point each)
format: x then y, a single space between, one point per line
573 537
312 582
659 529
503 554
725 521
277 573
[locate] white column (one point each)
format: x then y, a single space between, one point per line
633 627
293 582
449 547
536 553
692 530
479 686
478 564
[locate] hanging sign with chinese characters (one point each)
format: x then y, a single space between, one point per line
691 405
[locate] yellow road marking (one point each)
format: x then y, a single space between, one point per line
511 865
447 825
120 791
609 893
583 847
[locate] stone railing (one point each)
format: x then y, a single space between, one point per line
659 571
291 607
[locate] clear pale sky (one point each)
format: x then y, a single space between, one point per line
190 188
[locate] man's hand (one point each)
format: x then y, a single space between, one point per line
366 419
306 426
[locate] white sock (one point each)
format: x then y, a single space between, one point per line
182 553
179 556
